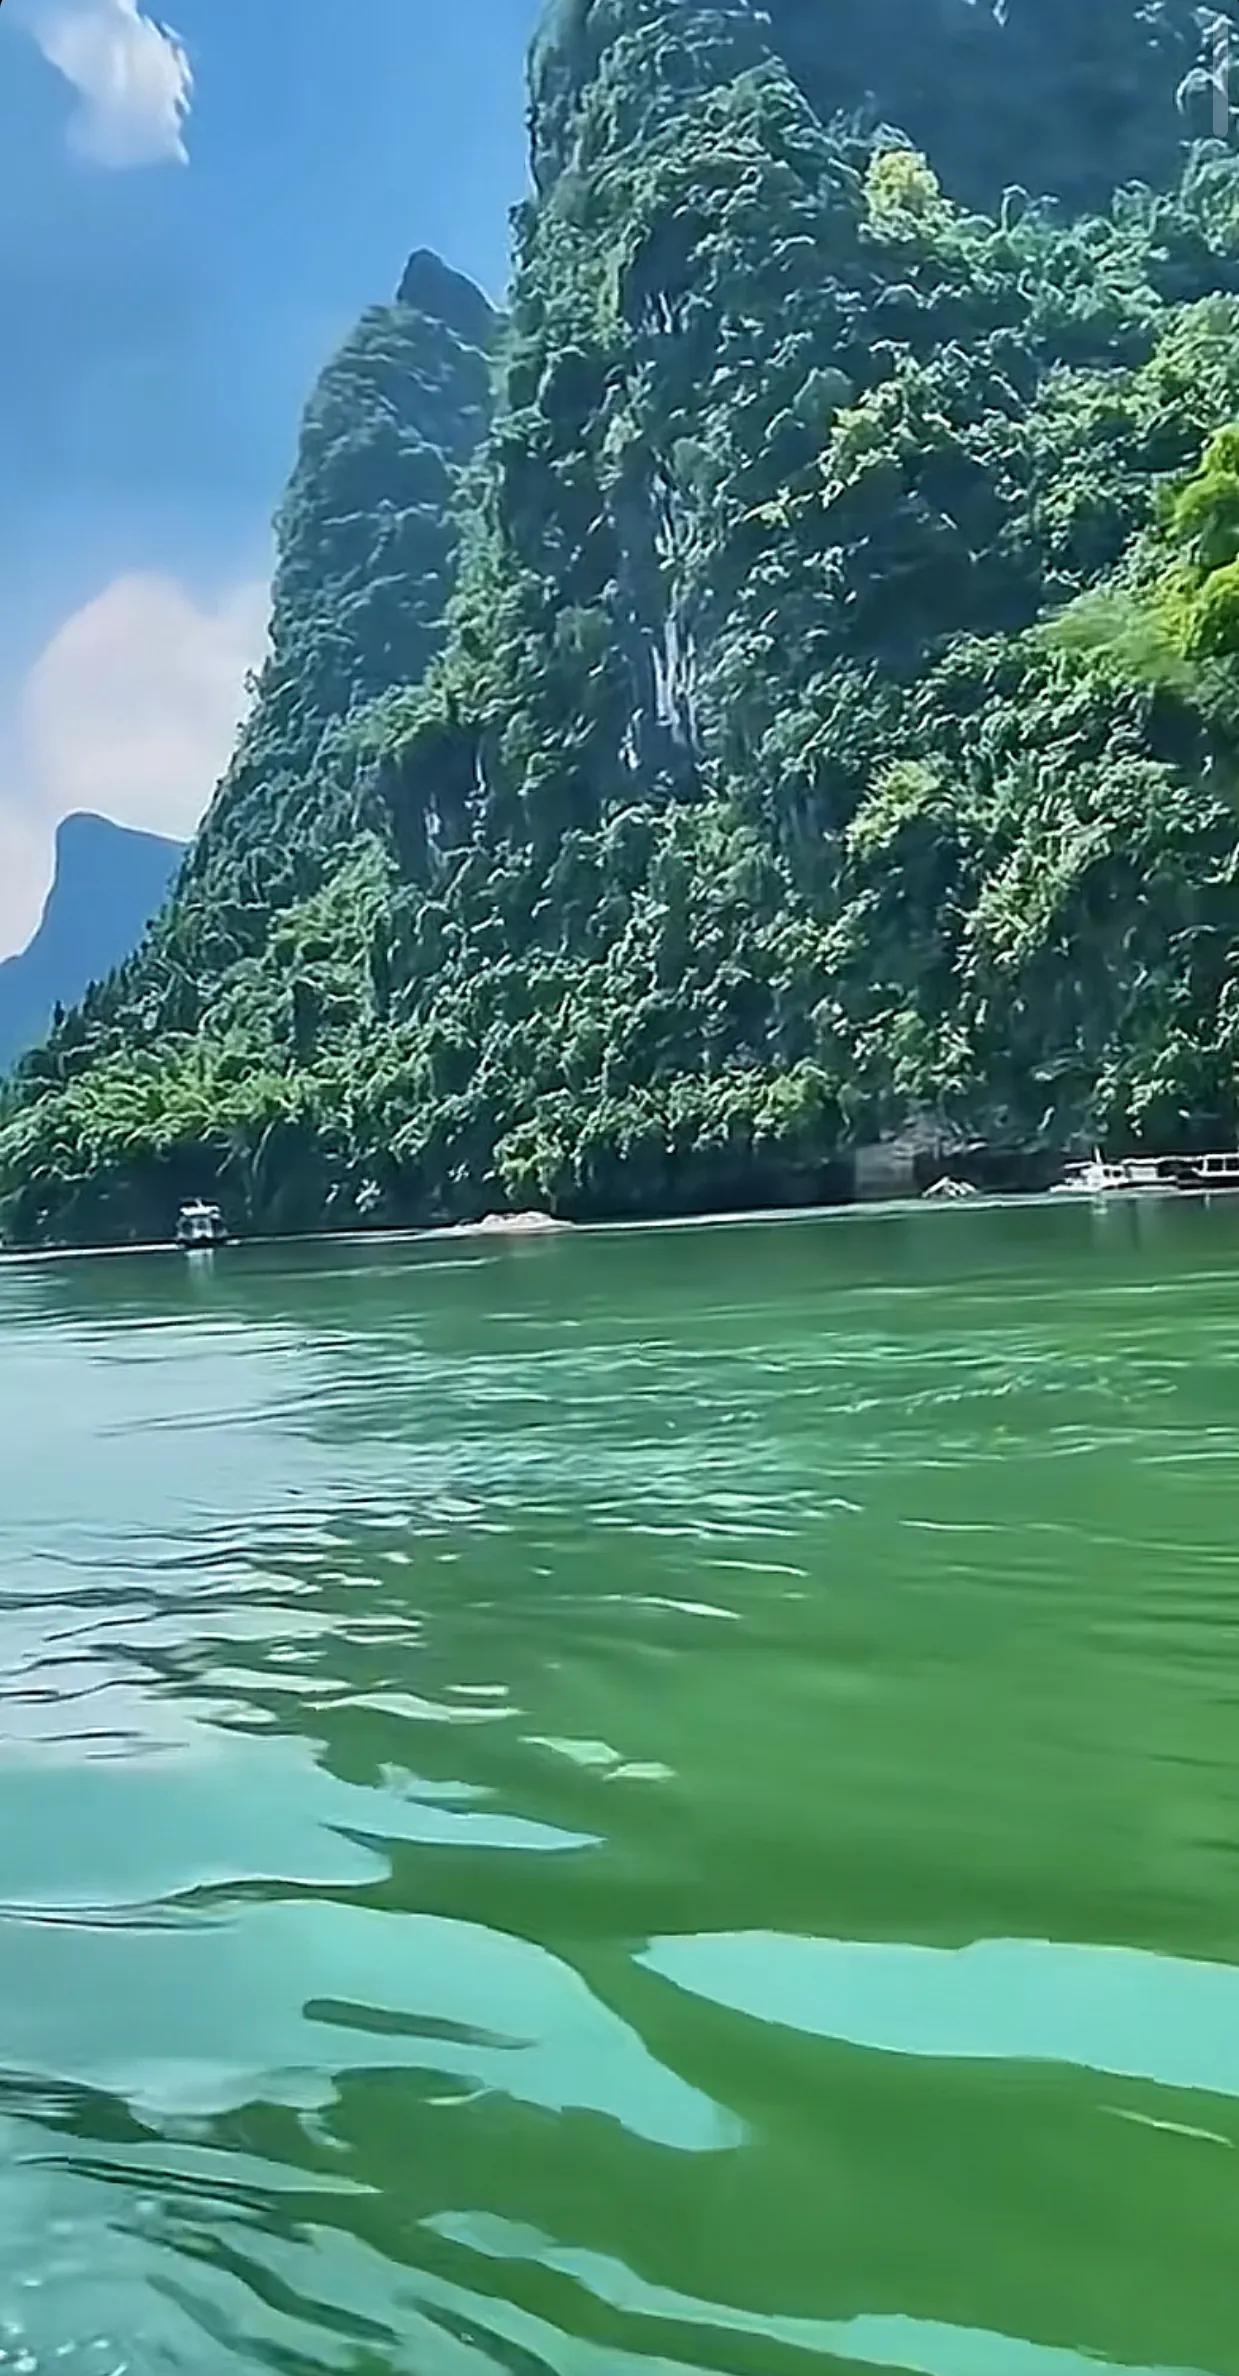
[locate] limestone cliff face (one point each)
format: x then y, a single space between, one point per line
702 286
750 702
368 541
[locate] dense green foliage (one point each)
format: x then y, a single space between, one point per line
832 731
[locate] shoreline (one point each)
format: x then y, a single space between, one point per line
496 1234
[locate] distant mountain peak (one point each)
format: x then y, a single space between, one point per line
84 832
109 882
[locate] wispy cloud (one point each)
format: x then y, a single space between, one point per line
131 76
133 705
131 711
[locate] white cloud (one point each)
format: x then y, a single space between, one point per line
131 76
131 711
133 706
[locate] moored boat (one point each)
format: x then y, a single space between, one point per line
1209 1172
1135 1176
200 1227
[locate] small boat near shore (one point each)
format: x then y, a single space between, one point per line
200 1228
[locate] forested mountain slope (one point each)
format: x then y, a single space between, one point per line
807 711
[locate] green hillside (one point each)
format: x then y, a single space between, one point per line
775 691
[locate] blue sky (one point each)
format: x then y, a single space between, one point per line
192 218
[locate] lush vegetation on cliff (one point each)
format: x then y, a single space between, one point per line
810 709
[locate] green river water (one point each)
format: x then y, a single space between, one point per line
652 1802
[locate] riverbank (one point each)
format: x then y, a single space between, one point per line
493 1232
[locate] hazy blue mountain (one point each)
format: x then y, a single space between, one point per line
109 882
